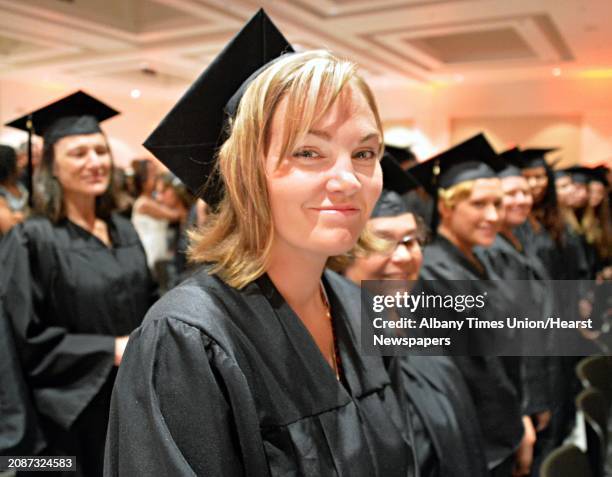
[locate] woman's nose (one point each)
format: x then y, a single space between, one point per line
343 178
93 158
491 213
401 254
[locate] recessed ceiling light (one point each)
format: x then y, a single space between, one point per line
135 93
556 71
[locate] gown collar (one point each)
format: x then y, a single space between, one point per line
361 374
459 257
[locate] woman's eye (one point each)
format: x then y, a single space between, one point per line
78 152
367 154
306 153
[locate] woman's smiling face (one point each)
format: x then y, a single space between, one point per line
323 191
83 164
476 219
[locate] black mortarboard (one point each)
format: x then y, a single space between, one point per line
584 175
396 181
472 159
559 173
534 157
579 174
78 113
394 177
188 138
512 163
600 174
75 114
401 154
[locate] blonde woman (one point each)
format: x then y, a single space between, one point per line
468 195
253 366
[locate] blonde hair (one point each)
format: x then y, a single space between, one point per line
454 194
237 238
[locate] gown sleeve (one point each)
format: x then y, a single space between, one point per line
20 432
181 406
64 371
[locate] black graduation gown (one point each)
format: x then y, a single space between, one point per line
20 432
68 297
225 382
528 275
433 391
492 381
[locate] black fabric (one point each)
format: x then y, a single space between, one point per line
394 177
401 154
77 113
513 161
560 263
526 275
20 431
420 203
540 375
187 139
448 442
220 382
471 159
68 297
389 204
491 380
534 157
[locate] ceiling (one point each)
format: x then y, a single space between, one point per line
159 46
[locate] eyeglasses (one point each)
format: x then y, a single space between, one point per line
410 241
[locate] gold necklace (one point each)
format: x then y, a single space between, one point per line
334 351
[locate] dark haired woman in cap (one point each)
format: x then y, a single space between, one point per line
545 235
253 365
76 281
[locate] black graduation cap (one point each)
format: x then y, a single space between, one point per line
579 174
75 114
512 162
396 181
472 159
559 173
394 177
534 157
401 154
600 174
584 175
187 139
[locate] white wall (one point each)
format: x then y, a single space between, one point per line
127 132
434 110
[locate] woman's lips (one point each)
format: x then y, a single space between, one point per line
337 210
